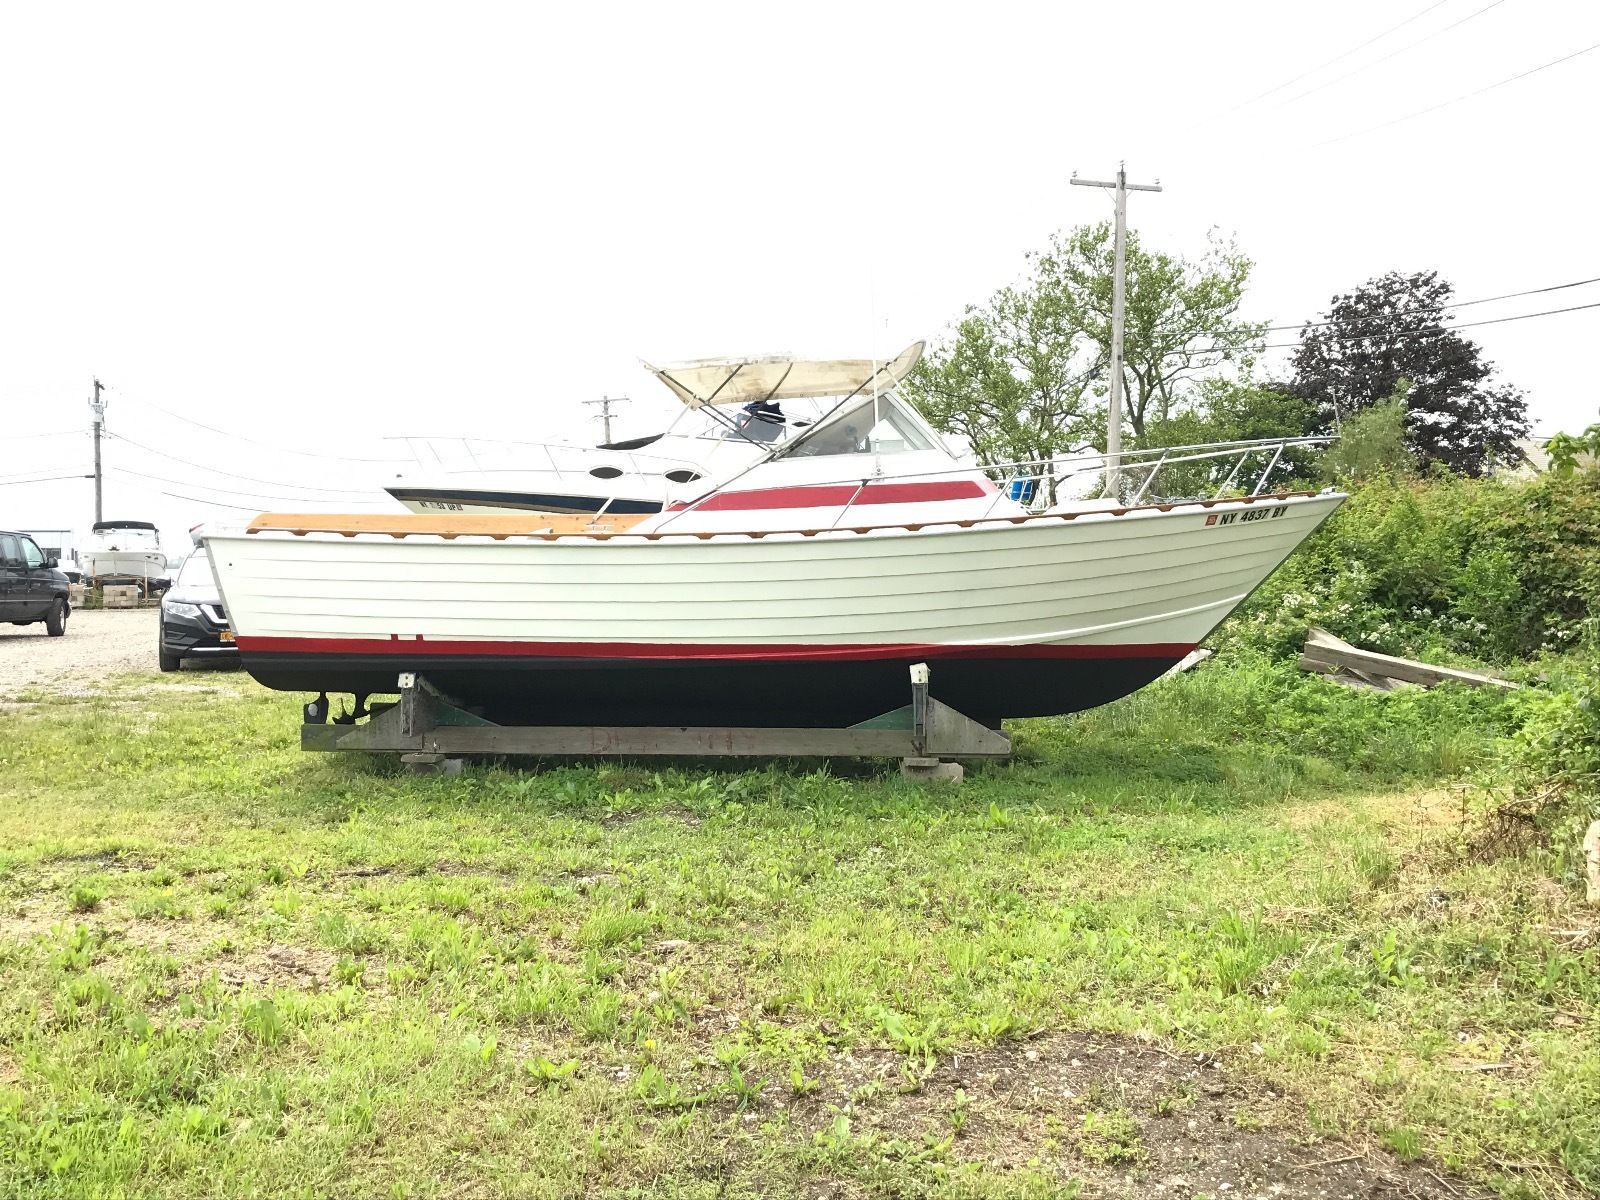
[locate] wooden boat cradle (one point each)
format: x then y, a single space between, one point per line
427 728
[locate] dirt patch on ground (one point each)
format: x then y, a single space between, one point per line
1434 808
305 968
459 870
111 922
587 881
194 943
98 644
1130 1119
669 813
365 872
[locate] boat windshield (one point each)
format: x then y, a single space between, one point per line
873 425
196 572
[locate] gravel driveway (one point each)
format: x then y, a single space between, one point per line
98 643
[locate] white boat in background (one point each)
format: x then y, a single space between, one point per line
123 552
773 602
737 412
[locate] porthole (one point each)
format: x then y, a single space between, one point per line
605 472
683 475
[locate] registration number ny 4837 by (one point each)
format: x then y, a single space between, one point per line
1246 516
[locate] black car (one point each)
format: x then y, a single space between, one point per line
31 588
193 624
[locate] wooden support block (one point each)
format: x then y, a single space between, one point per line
431 764
120 595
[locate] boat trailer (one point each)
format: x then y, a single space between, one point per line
432 733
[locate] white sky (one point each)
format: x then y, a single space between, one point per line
315 225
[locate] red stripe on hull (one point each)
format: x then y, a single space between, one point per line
707 652
838 495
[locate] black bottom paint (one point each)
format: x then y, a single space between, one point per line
586 691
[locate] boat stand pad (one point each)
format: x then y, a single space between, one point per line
428 723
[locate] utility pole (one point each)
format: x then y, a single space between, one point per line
1119 291
605 403
99 408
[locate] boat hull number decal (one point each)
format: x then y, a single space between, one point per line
1245 517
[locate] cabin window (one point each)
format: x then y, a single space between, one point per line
896 432
605 472
855 432
682 476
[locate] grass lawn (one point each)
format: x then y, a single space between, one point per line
1187 945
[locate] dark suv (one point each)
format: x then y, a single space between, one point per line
31 589
193 624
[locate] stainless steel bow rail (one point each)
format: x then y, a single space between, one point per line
432 732
1204 470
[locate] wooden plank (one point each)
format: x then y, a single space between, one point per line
1326 653
642 740
648 740
1188 662
1353 678
446 525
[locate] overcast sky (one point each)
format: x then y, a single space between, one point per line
317 225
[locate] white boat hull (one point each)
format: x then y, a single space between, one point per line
1019 617
131 564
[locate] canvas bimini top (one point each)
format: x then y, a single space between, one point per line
106 526
722 381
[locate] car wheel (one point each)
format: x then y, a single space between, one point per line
55 621
168 660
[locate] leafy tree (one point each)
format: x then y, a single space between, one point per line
1240 411
1181 318
1232 410
1014 381
1397 327
1568 451
1018 380
1372 442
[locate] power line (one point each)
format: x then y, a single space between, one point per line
1392 54
38 470
122 437
250 508
255 508
1422 112
46 479
225 491
1415 330
1272 91
239 437
18 437
1457 304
